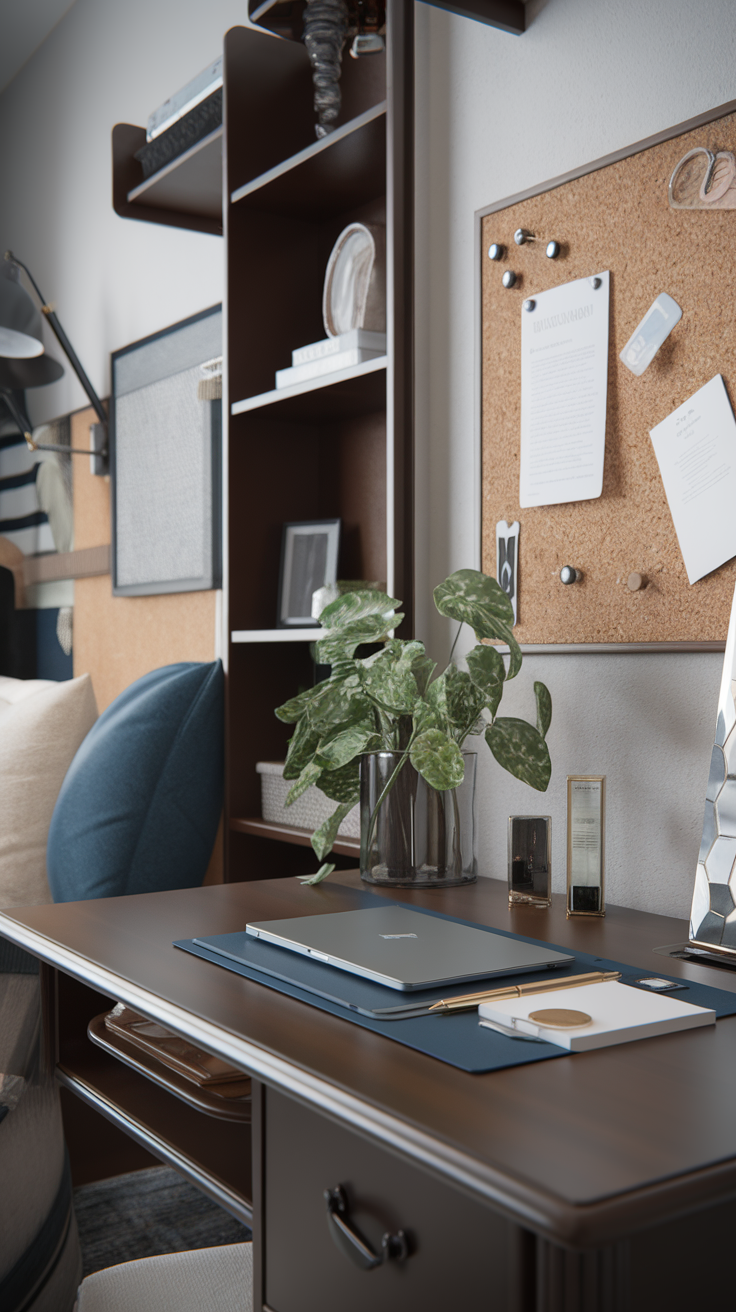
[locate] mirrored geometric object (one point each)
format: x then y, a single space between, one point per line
721 900
729 932
727 809
717 774
713 913
709 831
719 862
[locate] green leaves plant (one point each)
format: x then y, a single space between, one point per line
309 775
354 618
390 701
544 708
295 708
475 599
464 701
438 759
342 785
486 669
353 607
342 702
302 746
521 750
321 874
332 753
324 837
390 683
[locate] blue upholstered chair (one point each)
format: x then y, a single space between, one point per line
139 808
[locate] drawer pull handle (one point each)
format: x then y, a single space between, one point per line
352 1244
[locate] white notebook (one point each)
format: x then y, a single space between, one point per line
618 1014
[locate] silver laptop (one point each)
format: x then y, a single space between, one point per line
404 949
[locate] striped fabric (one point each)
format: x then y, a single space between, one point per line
22 520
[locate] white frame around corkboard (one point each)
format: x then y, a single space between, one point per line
649 248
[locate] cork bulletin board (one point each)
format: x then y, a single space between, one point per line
616 217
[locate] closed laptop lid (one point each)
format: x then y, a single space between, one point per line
405 949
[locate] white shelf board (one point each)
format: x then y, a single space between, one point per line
275 635
312 385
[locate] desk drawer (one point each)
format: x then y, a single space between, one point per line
461 1254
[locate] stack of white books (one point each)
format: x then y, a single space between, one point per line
331 355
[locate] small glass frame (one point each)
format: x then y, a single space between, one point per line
530 860
586 844
309 554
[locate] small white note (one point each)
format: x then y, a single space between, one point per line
564 381
648 336
696 450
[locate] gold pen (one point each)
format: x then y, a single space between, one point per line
470 1000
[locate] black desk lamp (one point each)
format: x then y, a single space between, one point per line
20 365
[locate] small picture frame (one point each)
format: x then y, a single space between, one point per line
309 552
530 860
586 844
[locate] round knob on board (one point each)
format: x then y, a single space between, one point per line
636 581
569 574
496 251
529 305
509 278
553 250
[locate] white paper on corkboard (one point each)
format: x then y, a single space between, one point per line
564 380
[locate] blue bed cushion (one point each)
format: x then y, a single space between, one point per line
139 808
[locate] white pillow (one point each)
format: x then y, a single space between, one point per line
42 724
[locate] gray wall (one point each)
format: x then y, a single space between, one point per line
112 280
497 114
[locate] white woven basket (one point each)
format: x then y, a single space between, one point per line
308 811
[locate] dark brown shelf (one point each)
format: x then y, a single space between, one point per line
343 171
290 834
185 194
219 1161
198 1096
343 395
190 184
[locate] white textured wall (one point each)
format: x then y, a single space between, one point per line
112 280
497 114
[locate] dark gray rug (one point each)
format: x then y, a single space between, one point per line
147 1213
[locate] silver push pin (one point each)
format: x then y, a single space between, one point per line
529 305
509 278
496 251
569 574
553 250
522 235
595 283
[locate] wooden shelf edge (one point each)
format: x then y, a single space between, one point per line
290 834
138 193
313 385
234 1203
309 152
127 138
202 1099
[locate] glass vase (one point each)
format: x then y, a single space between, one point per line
416 836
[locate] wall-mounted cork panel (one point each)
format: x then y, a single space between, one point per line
616 217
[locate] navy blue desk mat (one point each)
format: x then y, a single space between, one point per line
456 1039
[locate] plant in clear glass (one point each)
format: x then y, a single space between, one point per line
390 721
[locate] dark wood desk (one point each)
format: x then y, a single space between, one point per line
597 1182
